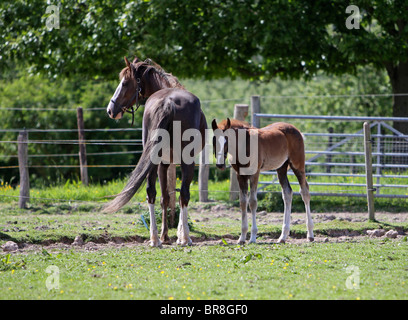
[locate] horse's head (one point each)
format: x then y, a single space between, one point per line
220 142
129 90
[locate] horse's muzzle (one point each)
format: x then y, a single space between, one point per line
111 112
221 166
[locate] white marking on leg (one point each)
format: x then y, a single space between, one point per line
253 204
154 237
309 222
287 199
183 231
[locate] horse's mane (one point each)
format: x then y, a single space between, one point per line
163 76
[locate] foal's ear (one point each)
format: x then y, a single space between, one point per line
228 123
214 125
127 62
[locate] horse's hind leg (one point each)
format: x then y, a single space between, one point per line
151 198
164 202
304 191
183 232
287 194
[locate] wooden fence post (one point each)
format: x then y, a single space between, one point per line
255 108
82 147
240 113
369 171
23 168
171 188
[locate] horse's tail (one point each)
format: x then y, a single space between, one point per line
164 116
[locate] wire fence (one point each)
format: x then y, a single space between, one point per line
335 159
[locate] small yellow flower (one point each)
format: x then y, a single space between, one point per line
62 291
12 271
171 298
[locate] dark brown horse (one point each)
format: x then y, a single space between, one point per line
277 146
170 111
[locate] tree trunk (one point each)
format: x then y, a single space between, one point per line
399 81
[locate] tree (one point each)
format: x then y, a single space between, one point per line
258 39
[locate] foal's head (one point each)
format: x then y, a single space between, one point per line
220 142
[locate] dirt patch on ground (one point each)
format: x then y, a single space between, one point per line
222 214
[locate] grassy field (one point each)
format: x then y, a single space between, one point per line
372 269
122 266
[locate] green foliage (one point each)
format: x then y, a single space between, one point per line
247 39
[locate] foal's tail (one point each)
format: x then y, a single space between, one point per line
164 116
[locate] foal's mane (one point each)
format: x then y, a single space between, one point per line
165 78
235 124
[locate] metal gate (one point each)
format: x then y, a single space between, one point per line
335 161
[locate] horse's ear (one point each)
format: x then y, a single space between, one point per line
127 62
228 123
136 60
214 125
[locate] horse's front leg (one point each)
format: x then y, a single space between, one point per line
253 204
164 202
243 201
151 198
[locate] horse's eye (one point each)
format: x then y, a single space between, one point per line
125 83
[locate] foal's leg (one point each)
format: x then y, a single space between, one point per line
151 198
287 194
304 191
164 202
187 173
253 204
243 201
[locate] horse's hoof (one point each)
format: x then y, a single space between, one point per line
184 243
281 241
165 240
311 239
156 244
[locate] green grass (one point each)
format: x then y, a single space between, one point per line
262 271
308 271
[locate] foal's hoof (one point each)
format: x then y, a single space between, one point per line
156 244
310 239
184 243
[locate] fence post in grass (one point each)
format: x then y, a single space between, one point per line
369 170
240 113
203 173
23 168
82 147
